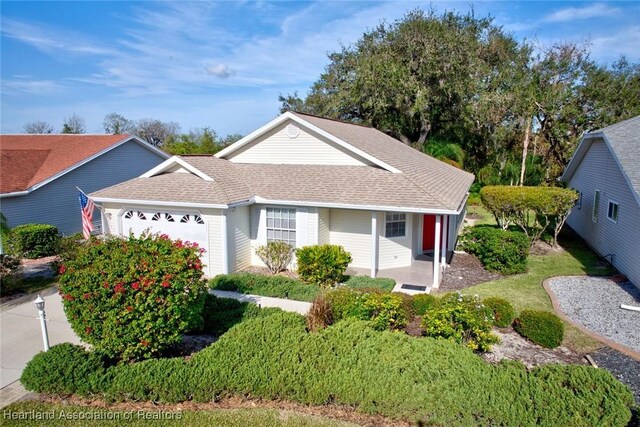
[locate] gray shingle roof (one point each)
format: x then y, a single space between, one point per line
425 183
624 139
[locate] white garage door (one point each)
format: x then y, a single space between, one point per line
186 226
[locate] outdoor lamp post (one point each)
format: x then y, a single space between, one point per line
43 321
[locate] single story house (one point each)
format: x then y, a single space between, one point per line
304 180
605 170
39 174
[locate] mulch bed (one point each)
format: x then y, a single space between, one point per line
464 271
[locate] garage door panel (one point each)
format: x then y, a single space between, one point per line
185 226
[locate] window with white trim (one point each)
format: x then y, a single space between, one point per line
281 225
395 224
612 211
596 206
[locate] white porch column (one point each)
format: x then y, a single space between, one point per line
374 243
443 249
225 243
436 254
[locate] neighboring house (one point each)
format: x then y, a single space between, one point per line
305 180
605 170
39 174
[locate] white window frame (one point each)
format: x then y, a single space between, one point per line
617 211
596 206
401 218
281 228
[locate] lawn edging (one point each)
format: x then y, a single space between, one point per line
604 340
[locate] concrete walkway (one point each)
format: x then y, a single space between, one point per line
285 304
21 337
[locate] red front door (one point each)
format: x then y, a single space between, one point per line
428 232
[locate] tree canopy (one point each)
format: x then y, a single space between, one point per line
455 78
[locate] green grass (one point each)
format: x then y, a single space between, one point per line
486 217
282 287
525 291
194 418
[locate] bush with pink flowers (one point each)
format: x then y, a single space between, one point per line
132 298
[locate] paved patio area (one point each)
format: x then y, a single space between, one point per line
414 279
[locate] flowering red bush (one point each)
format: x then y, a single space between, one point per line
133 298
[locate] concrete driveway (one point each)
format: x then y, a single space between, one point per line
20 335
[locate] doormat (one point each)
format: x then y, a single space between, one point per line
414 287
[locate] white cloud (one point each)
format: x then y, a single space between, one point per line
35 87
612 45
221 70
596 10
53 41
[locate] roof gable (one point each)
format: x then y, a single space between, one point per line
293 143
298 119
623 141
31 161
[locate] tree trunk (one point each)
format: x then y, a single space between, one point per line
525 147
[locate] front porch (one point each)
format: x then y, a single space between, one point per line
414 279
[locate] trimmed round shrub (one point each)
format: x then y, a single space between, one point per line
422 303
498 250
540 327
322 265
34 240
461 319
503 312
64 369
132 298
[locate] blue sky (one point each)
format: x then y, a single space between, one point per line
223 64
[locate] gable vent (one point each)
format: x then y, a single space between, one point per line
293 131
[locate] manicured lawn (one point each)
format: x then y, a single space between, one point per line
485 217
526 291
173 417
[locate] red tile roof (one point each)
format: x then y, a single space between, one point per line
27 160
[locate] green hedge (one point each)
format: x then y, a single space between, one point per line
387 373
541 327
498 250
65 369
268 286
503 311
283 287
34 240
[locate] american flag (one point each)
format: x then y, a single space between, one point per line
86 209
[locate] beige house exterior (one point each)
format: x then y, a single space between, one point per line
305 180
605 170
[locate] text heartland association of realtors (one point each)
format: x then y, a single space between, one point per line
90 415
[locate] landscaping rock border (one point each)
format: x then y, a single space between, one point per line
596 310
